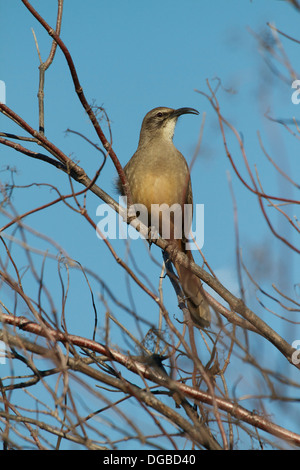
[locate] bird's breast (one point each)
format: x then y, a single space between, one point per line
158 185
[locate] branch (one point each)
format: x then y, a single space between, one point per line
81 95
45 65
154 375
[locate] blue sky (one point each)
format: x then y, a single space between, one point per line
132 56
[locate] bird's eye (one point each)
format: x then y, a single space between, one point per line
159 114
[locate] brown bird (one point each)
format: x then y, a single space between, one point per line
158 177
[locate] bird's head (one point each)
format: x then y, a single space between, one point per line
160 122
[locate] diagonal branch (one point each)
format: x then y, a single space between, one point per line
81 95
154 375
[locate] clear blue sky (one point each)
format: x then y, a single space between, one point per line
130 57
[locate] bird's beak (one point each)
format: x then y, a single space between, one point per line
180 111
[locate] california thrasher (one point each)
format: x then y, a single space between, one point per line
158 174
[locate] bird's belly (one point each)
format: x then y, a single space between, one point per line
159 202
159 189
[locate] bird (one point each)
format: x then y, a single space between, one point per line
158 178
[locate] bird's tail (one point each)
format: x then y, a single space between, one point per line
194 294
